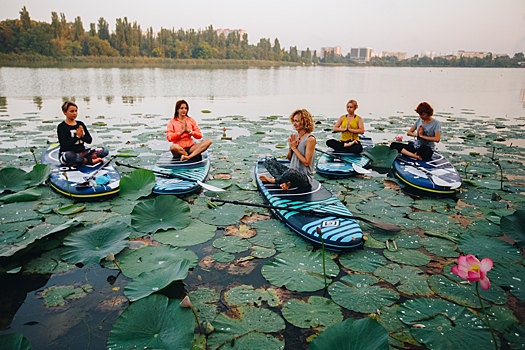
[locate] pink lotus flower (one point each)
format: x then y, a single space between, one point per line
471 269
399 138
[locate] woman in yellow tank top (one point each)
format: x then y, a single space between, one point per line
350 126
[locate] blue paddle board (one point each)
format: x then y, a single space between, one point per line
436 177
337 233
66 180
194 169
331 166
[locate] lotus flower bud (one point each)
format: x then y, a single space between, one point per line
186 302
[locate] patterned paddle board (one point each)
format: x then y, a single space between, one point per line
332 167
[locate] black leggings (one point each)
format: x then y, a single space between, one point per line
339 146
424 152
281 173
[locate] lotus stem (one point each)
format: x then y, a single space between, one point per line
33 153
442 235
111 258
486 317
187 303
68 189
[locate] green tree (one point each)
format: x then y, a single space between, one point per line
25 19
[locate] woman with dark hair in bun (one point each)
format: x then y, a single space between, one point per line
72 135
426 130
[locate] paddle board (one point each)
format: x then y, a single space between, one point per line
65 179
195 169
434 177
334 167
337 233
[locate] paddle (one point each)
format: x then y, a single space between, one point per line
382 225
89 180
433 177
175 176
358 169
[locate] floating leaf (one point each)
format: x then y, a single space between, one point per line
362 260
136 184
91 244
39 174
71 209
301 271
196 233
204 302
31 194
248 295
352 334
162 213
482 246
446 325
155 322
152 281
15 341
127 153
231 244
57 295
357 293
262 252
13 179
223 257
407 256
411 280
514 227
382 156
244 331
315 312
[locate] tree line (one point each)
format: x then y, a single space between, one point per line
62 39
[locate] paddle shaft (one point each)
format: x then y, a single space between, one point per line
383 226
92 176
334 156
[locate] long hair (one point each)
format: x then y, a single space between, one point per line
67 104
305 117
177 106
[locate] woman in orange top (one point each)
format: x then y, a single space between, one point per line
181 131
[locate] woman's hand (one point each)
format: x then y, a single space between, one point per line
293 141
80 132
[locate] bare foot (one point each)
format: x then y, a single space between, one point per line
267 179
285 186
183 158
348 144
418 157
97 160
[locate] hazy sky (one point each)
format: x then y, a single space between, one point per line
412 26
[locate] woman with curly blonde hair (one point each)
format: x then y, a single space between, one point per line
301 151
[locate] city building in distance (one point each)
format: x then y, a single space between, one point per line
361 54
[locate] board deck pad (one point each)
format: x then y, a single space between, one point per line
337 233
332 167
419 174
65 179
195 169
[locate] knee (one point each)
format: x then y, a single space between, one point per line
176 148
207 142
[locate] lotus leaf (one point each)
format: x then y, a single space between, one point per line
267 231
71 209
440 247
15 341
316 312
151 282
151 258
155 322
39 174
245 294
445 325
57 295
17 212
48 263
91 244
514 227
262 252
407 241
501 318
382 156
196 233
301 271
223 257
352 334
162 213
204 302
362 260
410 279
357 293
387 317
250 323
483 246
509 275
407 257
232 244
138 183
20 241
28 195
430 221
14 179
515 337
290 242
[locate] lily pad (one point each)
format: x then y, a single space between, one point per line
162 213
514 227
154 257
357 293
152 281
247 329
39 174
136 184
222 216
262 252
352 334
407 257
13 179
71 209
444 325
362 260
155 322
440 247
15 341
314 313
248 295
299 270
232 244
57 295
196 233
223 257
28 195
410 279
91 244
382 156
483 246
204 302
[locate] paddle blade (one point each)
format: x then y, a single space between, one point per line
360 170
210 187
